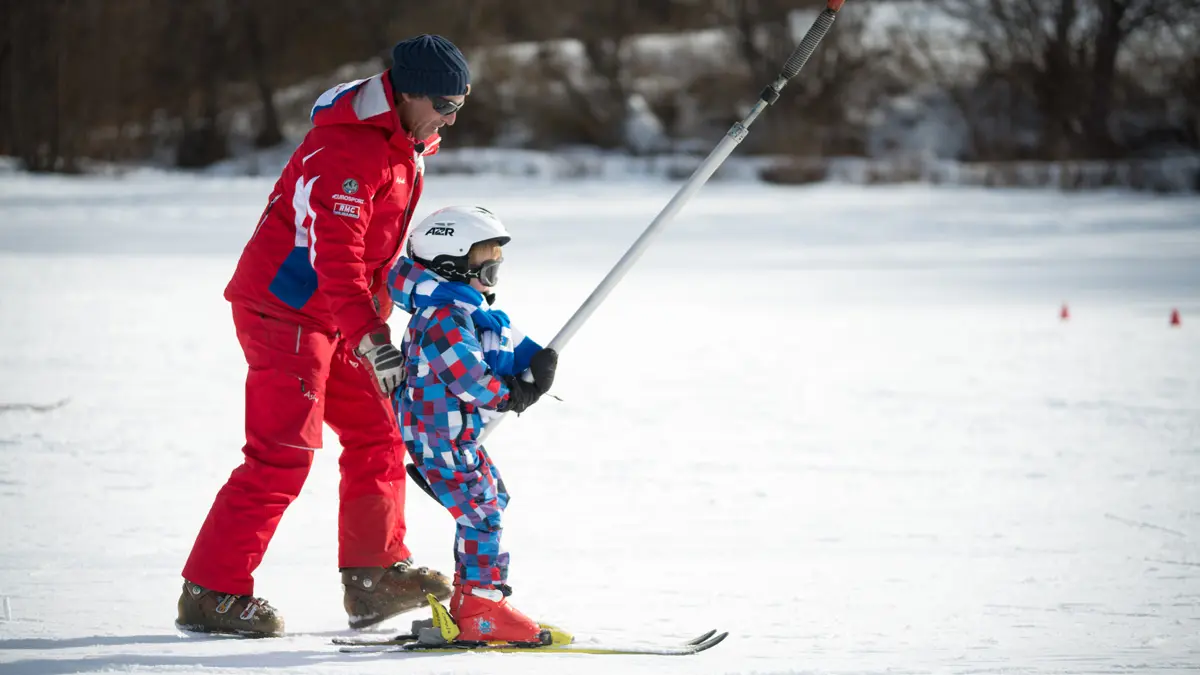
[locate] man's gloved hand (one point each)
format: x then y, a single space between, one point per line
522 394
385 361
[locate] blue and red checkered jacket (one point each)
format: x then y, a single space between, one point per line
456 350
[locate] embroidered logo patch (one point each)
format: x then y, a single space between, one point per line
349 186
347 210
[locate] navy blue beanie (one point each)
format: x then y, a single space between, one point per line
429 65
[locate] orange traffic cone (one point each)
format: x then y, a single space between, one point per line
1065 313
1175 318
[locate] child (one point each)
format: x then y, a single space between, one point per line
464 366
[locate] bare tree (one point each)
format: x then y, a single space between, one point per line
119 79
35 84
269 131
204 140
604 31
1185 81
1063 56
372 19
824 111
1120 19
763 33
7 90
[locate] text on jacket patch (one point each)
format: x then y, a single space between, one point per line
347 210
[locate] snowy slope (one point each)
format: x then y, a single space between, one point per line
845 424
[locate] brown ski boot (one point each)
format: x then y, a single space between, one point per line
207 611
376 594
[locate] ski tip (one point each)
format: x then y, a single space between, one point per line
711 642
701 638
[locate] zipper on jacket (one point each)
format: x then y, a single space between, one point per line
405 218
408 208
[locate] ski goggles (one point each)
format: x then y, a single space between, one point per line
444 106
488 272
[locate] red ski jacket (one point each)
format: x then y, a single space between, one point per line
337 217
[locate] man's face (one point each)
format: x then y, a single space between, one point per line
419 114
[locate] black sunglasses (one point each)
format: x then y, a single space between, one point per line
444 106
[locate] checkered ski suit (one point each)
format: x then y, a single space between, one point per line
449 393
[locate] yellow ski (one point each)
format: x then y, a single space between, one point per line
439 636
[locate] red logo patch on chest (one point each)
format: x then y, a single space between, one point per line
347 210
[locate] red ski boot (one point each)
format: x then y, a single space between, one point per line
484 615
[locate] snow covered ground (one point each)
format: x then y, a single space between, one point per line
844 424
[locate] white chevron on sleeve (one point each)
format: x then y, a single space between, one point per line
302 205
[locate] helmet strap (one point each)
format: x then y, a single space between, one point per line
454 268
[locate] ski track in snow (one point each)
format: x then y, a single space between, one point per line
844 424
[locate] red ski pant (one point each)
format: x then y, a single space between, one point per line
298 379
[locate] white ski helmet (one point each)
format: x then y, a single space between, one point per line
443 239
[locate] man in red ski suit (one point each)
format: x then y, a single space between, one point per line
310 305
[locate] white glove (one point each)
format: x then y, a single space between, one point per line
385 361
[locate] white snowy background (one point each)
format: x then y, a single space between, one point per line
845 424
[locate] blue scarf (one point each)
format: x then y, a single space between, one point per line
506 350
496 334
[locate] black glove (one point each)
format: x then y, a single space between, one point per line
522 394
542 367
